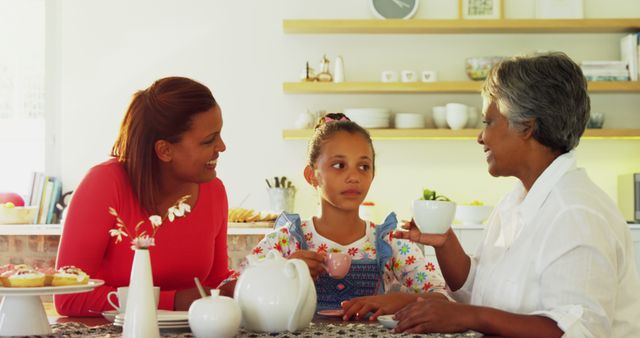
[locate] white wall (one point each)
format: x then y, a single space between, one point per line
110 49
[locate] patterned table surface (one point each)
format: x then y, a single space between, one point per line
321 329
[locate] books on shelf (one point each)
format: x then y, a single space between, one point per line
605 70
629 54
45 191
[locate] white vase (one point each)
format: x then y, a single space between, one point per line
140 319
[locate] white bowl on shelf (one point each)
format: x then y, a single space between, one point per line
409 121
456 115
369 117
18 215
440 117
473 214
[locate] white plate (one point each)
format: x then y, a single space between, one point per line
164 317
388 321
51 290
161 325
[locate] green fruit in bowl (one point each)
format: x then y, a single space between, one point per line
430 195
9 205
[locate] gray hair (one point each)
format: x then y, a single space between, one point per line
549 89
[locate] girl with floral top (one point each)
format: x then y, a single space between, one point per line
386 273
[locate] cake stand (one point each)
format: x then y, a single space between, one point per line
22 313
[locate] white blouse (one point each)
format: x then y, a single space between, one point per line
562 251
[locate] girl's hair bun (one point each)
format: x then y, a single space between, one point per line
331 117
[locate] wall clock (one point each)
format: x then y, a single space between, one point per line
394 9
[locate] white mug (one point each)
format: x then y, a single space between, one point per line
408 76
429 76
389 76
121 295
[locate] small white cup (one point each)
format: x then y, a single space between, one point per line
440 117
121 295
456 115
429 76
408 76
389 76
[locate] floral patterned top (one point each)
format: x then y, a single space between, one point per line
405 271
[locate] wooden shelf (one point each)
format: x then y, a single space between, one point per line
462 134
31 229
248 231
56 230
428 87
423 26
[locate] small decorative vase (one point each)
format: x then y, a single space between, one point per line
140 319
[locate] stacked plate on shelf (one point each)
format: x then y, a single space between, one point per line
409 121
166 319
369 117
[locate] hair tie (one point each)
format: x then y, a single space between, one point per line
328 119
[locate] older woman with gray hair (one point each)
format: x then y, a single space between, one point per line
557 258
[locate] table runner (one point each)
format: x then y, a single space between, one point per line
338 330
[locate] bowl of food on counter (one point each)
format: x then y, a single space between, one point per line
473 213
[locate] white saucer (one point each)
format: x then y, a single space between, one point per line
166 319
110 315
161 325
388 321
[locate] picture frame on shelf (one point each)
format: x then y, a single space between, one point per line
559 9
481 9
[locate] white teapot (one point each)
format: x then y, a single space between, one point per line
276 294
214 317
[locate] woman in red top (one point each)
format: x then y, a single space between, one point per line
168 147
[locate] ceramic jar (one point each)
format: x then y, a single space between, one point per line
214 317
276 294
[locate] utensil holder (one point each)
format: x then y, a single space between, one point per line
281 199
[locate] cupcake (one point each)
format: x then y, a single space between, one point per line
22 278
3 269
6 267
69 275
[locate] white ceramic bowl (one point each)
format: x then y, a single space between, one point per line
433 217
473 214
440 117
18 215
409 120
456 115
472 117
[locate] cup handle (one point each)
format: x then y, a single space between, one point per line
111 302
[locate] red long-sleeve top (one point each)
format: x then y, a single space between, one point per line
190 246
